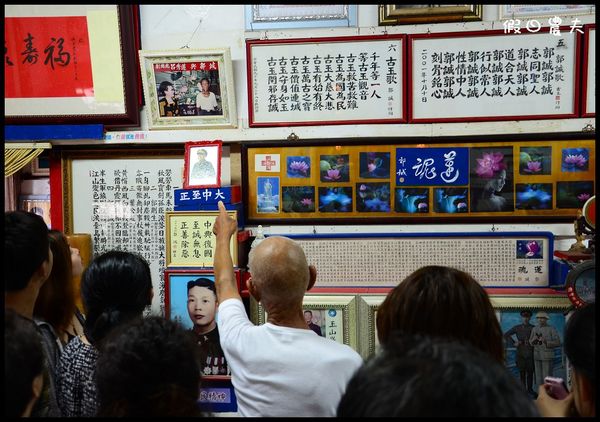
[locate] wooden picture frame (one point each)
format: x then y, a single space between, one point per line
92 192
508 309
336 314
367 328
341 90
38 204
525 11
588 90
79 65
293 16
190 240
40 166
375 181
175 93
399 14
433 98
202 164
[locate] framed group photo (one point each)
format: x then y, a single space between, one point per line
189 89
202 165
533 328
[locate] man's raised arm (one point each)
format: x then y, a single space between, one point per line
224 228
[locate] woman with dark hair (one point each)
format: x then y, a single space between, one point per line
116 287
56 302
443 302
167 105
580 348
149 368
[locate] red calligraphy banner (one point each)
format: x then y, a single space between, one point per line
47 57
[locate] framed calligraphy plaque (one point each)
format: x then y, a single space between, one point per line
202 167
190 238
333 316
588 102
524 178
533 327
397 14
336 80
275 16
490 75
189 89
71 64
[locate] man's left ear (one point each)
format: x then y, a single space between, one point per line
312 277
252 289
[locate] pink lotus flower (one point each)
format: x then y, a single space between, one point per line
532 248
371 167
577 160
583 196
333 174
489 164
299 166
461 206
533 167
422 206
307 202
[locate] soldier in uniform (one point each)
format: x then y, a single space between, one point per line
524 355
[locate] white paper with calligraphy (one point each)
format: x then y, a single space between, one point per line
490 75
122 204
326 81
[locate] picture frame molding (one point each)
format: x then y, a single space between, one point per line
306 18
391 14
507 11
368 304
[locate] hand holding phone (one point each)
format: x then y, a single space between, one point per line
556 387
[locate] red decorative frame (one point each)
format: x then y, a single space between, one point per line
128 24
584 81
254 96
214 157
468 116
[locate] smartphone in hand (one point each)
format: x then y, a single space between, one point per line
556 387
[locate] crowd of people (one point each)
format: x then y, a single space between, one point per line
441 347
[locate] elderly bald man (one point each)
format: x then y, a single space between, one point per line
280 368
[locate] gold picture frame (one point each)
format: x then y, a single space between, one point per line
334 310
368 304
190 239
397 14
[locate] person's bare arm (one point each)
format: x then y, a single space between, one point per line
224 228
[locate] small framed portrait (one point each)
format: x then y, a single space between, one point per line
38 204
202 165
189 89
367 327
191 300
329 315
533 329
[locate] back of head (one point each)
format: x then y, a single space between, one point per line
115 287
149 367
442 302
580 342
279 269
55 303
23 361
417 376
25 248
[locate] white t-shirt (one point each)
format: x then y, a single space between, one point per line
282 371
206 103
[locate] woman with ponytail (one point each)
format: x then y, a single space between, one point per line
116 288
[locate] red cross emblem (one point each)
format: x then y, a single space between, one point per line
267 162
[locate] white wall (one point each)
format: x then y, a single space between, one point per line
168 27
